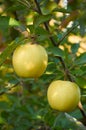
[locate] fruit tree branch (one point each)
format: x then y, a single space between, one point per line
59 42
66 69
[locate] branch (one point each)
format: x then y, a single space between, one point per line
65 69
66 35
71 17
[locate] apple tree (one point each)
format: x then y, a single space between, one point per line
57 29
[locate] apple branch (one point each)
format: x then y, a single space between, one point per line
59 42
65 69
60 58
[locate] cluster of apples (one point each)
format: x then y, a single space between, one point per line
30 61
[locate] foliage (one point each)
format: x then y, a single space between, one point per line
62 31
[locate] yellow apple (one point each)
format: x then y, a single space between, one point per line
63 95
30 60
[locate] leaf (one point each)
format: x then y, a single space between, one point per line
13 22
74 48
81 81
61 122
2 121
68 122
82 29
41 19
41 31
41 38
63 10
78 72
48 7
78 124
56 51
81 59
8 51
6 22
4 105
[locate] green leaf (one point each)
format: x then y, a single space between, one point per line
78 72
81 59
13 22
56 51
48 7
78 125
81 81
4 105
41 38
8 51
6 22
74 48
68 122
41 31
62 10
41 19
2 121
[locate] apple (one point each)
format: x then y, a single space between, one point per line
30 60
63 95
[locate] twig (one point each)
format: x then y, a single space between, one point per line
59 42
65 69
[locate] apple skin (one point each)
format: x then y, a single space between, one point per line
63 95
30 60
